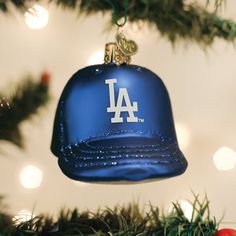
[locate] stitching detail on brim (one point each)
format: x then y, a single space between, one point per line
81 161
78 164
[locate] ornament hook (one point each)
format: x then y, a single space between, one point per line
120 52
115 19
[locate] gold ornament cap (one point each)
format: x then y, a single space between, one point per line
120 52
114 55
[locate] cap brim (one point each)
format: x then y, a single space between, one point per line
125 159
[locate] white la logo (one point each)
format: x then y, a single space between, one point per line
118 108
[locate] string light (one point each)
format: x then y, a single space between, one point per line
224 159
22 216
186 207
31 177
36 17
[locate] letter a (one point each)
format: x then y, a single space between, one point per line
118 108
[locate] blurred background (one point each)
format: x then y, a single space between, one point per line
202 88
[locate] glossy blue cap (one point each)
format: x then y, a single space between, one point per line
115 123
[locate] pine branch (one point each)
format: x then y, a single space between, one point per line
174 19
120 221
218 3
25 101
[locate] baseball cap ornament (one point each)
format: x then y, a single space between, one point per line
114 122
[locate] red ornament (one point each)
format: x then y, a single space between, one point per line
45 78
226 232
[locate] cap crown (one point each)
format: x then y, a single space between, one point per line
105 101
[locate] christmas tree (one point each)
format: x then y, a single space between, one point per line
201 86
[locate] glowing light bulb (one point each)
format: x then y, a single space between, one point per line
36 17
183 135
31 177
186 207
225 159
22 216
96 58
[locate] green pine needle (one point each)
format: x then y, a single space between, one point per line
121 221
26 100
174 19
